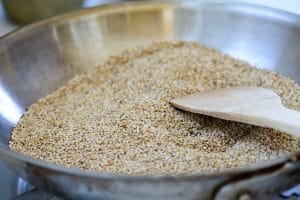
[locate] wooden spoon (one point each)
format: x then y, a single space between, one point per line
251 105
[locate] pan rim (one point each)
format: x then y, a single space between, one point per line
120 7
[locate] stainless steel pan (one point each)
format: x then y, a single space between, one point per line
37 59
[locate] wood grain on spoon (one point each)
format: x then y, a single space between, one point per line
251 105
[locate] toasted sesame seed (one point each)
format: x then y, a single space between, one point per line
117 117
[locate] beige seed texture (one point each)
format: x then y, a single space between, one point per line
117 117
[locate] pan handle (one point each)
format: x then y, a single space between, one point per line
252 186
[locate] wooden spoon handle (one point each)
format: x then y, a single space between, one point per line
285 120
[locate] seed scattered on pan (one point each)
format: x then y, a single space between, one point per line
117 118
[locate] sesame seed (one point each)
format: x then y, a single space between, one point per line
117 118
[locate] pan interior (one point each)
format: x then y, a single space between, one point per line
38 59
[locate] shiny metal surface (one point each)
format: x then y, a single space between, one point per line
37 59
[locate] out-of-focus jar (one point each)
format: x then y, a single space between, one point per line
26 11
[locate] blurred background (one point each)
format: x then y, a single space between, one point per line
15 13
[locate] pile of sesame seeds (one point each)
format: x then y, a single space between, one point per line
117 118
